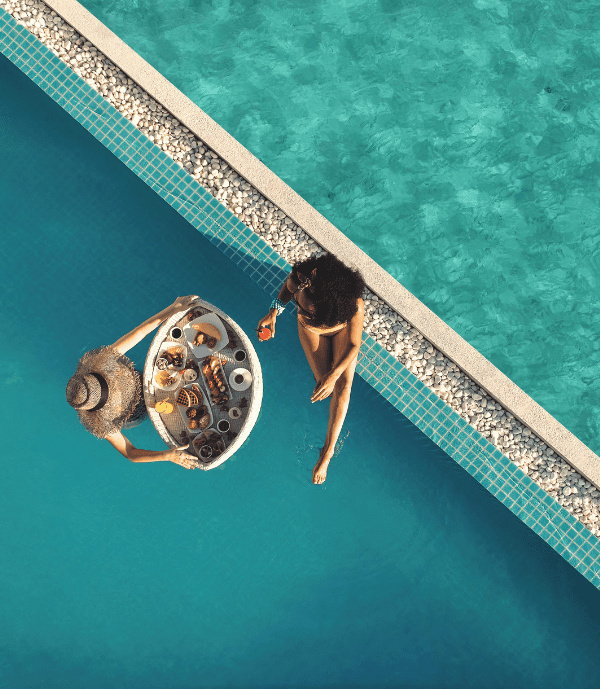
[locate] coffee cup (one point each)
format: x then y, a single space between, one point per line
176 332
223 426
239 355
205 452
240 379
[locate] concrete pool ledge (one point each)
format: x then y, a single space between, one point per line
547 492
433 328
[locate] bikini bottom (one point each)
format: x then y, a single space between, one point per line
327 332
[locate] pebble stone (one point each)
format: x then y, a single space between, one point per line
393 332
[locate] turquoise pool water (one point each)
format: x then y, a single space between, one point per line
401 571
455 143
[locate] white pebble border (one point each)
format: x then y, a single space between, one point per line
441 375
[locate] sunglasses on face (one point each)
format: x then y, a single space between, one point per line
305 282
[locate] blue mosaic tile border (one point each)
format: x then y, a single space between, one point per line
378 367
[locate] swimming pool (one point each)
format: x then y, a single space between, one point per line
465 166
402 571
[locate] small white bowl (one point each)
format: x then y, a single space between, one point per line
190 375
246 381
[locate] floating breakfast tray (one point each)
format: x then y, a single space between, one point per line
173 427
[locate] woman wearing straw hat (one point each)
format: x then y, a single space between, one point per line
106 392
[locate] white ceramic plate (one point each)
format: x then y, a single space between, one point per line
247 379
203 401
163 348
200 351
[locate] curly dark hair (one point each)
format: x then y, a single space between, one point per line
334 288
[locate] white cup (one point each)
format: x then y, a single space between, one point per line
190 375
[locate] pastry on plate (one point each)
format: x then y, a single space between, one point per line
199 441
192 315
164 378
208 329
174 356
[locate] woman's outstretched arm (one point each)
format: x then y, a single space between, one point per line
123 445
269 320
132 338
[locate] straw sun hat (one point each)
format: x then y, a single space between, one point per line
106 391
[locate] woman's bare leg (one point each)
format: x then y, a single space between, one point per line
317 350
338 407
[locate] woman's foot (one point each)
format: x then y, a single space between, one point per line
320 470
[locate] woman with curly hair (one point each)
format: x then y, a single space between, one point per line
330 324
